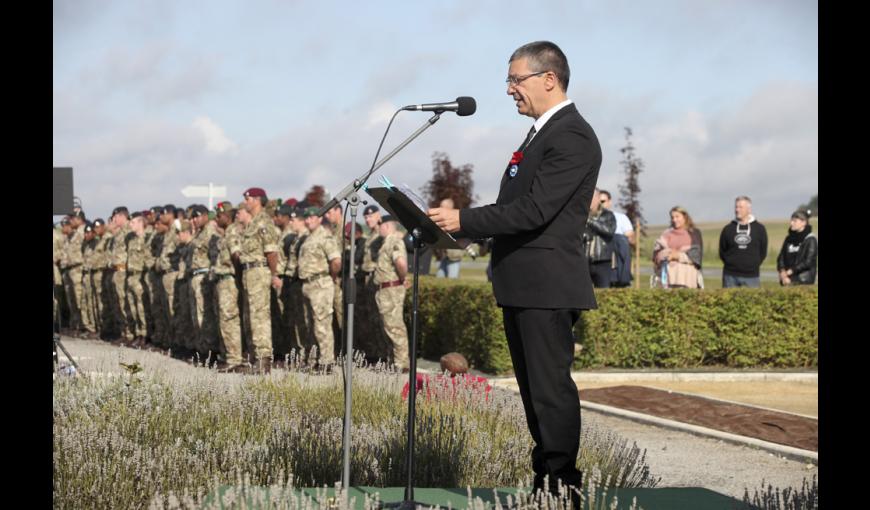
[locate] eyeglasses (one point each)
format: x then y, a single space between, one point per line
515 80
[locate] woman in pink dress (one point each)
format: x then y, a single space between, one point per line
678 252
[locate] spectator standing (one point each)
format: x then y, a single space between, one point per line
623 241
679 249
796 262
742 247
600 228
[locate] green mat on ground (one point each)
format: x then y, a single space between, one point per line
673 498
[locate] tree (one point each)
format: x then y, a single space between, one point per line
315 196
449 181
813 205
629 192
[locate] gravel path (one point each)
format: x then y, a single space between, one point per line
686 460
679 458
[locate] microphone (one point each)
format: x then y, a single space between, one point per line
462 106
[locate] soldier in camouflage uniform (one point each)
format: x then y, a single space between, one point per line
319 266
150 217
281 340
71 265
370 337
183 326
155 278
58 237
390 277
227 292
166 267
99 264
118 257
89 308
204 254
135 271
257 254
336 226
298 314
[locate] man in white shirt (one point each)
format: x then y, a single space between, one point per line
622 273
623 224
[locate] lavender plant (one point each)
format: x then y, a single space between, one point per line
176 435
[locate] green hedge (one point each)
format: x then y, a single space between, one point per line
635 328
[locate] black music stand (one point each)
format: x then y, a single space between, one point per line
423 231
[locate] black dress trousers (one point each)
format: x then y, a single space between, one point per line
541 343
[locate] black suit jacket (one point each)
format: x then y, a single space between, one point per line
539 218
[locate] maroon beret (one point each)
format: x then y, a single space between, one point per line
254 192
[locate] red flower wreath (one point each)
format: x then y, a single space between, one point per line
517 158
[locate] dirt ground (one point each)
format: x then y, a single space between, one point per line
793 397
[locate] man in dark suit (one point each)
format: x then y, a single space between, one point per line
540 275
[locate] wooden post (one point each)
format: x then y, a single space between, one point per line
637 253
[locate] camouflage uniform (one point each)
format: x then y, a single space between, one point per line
204 254
391 299
228 298
154 279
58 278
119 280
71 264
147 278
135 291
318 288
183 323
89 308
298 313
101 262
276 305
167 268
283 342
258 238
337 305
370 337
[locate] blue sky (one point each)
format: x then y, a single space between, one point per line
149 97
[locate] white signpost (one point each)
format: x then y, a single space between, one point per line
211 191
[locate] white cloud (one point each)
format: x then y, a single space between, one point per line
216 141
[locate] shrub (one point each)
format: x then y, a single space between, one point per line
788 499
633 328
118 441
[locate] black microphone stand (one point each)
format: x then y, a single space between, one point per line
350 194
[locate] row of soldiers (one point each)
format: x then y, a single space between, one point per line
243 287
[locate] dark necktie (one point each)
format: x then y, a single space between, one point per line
528 139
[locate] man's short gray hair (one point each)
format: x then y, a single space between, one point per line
545 56
743 198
